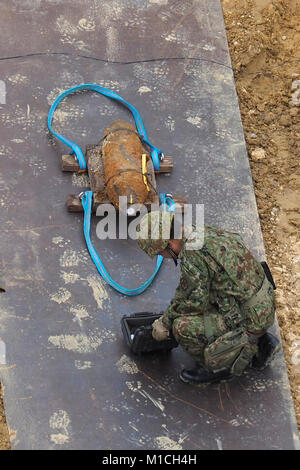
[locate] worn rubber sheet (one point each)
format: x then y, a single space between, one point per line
69 380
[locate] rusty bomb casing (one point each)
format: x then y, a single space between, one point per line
122 152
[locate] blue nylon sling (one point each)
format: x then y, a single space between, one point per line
156 153
87 197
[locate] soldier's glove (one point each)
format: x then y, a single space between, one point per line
159 331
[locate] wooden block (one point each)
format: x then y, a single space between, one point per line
74 203
179 202
69 163
96 168
166 165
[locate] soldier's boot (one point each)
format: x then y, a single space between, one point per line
198 375
268 346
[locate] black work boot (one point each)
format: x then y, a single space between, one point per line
198 375
268 346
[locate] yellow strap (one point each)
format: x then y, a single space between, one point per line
144 170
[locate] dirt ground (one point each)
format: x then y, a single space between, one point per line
264 38
264 41
4 438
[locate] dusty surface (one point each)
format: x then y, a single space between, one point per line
264 38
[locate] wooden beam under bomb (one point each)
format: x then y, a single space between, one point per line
69 163
74 202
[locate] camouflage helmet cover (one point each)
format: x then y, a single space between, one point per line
153 232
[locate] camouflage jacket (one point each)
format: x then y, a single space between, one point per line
223 273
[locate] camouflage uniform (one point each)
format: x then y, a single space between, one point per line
215 315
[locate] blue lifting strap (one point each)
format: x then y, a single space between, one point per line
156 154
87 197
87 203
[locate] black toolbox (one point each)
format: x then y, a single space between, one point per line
137 332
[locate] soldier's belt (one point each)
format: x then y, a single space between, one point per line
239 318
260 296
235 319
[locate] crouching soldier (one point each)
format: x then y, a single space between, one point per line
224 302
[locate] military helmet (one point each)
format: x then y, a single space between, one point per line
153 232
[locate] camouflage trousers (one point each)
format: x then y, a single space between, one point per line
230 349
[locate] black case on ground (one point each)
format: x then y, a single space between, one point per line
140 326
